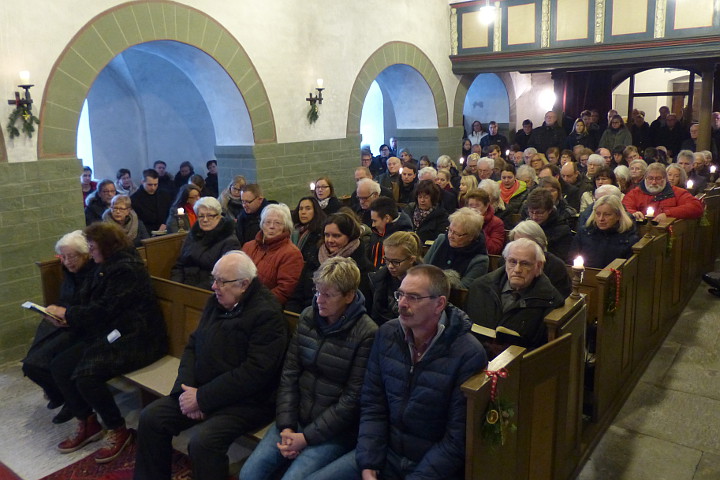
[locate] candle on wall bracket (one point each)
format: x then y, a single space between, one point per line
23 109
314 113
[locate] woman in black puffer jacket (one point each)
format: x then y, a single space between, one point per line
318 402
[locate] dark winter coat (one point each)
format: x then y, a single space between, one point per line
94 210
600 247
384 285
234 358
558 233
401 224
248 224
484 306
118 297
544 137
418 411
323 374
152 210
434 224
50 340
470 262
333 206
200 251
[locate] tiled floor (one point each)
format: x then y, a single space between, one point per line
670 426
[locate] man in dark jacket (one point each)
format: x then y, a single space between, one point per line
166 182
151 204
211 180
248 222
412 419
227 378
516 297
549 134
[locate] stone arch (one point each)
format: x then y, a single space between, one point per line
113 31
462 90
395 53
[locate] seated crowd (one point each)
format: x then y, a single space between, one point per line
370 276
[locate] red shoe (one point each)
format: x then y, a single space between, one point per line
88 430
117 440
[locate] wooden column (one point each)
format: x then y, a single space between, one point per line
706 104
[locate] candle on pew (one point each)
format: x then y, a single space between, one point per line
462 160
578 269
713 169
578 262
689 184
181 211
312 185
650 212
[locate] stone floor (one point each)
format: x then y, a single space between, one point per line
669 428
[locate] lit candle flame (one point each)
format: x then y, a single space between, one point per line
713 168
650 212
578 262
507 153
312 185
400 171
181 211
462 160
689 184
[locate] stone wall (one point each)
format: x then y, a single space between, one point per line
39 202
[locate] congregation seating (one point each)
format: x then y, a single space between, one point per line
562 402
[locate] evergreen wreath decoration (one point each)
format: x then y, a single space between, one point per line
312 114
28 122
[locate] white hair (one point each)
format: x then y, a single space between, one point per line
530 151
596 159
604 190
371 184
489 162
525 171
246 269
524 243
530 229
430 171
445 161
621 171
74 240
211 203
280 209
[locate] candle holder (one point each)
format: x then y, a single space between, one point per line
181 219
578 269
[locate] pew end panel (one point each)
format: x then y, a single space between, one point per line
51 277
162 253
481 459
458 297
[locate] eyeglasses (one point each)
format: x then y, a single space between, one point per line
537 213
456 234
410 297
115 209
318 294
222 283
208 216
236 189
321 187
248 202
366 198
394 263
512 263
68 257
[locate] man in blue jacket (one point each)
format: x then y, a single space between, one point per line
412 421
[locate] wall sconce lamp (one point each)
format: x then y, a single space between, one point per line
488 13
313 113
23 109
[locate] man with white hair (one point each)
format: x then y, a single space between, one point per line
516 297
367 191
227 378
485 168
666 201
528 154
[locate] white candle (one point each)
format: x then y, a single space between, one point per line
507 153
650 212
462 160
24 77
312 185
689 184
181 211
713 168
320 83
400 171
578 262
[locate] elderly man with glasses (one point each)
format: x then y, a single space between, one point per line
516 297
227 379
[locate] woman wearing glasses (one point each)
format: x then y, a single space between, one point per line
279 263
402 251
208 240
186 198
121 213
318 401
99 201
462 249
325 195
230 199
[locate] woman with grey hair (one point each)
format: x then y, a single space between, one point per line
278 260
622 175
637 173
554 268
318 401
208 240
121 212
78 268
676 175
462 249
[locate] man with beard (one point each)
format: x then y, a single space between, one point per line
667 201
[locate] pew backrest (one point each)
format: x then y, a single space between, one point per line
162 252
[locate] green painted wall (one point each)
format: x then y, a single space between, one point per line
39 202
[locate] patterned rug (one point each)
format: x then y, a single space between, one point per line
119 469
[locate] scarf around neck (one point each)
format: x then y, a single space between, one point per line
129 225
345 252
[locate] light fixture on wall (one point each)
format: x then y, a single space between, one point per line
487 13
23 109
313 114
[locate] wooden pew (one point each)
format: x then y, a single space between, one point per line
162 253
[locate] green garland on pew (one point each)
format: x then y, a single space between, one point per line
497 421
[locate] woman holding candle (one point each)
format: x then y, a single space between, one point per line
608 234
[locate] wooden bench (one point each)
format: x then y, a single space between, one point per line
162 252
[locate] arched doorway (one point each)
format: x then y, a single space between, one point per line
161 100
487 100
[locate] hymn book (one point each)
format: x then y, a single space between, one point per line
41 310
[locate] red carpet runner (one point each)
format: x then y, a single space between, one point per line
7 474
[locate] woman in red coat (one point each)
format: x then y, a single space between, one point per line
493 227
278 261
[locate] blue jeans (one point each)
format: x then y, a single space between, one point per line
344 468
266 458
